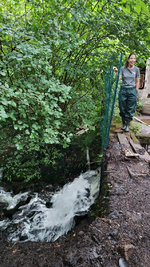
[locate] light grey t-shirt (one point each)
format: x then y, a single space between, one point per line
129 76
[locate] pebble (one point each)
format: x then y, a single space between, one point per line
81 233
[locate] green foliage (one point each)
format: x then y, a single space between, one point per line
32 105
22 166
31 99
53 58
136 127
139 107
53 163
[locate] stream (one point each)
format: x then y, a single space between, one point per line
29 217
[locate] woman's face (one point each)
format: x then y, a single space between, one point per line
131 60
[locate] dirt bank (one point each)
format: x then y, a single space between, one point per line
124 232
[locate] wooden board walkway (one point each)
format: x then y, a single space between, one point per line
129 198
132 149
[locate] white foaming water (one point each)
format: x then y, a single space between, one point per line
36 222
6 197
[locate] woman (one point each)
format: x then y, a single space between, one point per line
130 76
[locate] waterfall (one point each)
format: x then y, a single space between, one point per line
35 222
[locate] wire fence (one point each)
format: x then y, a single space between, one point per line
110 88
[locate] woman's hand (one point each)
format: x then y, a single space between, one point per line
115 69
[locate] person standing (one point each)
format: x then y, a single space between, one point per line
130 76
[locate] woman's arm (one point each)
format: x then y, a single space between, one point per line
137 83
116 71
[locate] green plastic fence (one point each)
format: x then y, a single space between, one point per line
110 88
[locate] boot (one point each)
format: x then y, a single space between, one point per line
127 127
123 124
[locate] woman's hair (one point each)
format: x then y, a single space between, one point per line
127 63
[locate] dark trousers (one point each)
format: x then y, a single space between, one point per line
127 103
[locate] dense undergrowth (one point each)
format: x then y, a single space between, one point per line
53 60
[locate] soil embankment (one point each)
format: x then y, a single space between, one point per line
124 232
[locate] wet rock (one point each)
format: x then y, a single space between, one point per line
80 216
10 212
48 204
23 238
81 233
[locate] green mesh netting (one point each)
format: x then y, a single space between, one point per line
110 88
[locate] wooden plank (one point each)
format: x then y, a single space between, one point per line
118 131
133 137
123 140
137 119
130 154
136 147
143 154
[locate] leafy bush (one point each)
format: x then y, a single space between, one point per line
32 105
38 114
